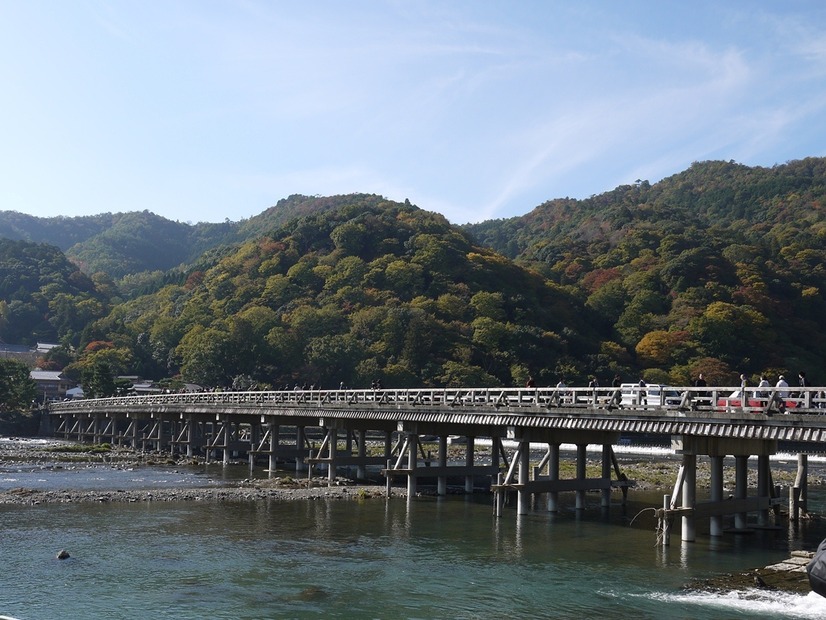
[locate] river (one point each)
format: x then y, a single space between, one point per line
414 559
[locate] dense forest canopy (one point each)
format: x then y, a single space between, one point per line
371 290
721 264
718 269
44 297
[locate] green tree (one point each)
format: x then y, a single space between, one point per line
98 381
17 389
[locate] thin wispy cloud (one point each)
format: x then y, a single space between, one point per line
203 111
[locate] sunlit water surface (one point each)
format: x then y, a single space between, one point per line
427 558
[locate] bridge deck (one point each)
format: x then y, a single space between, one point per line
705 412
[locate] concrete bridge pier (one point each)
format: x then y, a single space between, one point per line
332 438
255 431
523 496
716 509
412 447
300 441
581 463
716 494
274 431
361 451
607 461
764 487
96 428
553 476
441 481
801 483
469 457
225 429
134 425
689 533
193 436
495 452
741 487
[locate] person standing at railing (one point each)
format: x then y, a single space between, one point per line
560 394
593 385
743 385
530 382
783 387
764 383
804 383
700 381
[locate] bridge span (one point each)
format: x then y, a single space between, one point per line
391 430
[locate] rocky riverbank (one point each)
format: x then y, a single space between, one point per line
56 455
245 491
787 576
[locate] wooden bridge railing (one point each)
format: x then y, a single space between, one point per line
724 400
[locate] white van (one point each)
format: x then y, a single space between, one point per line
651 394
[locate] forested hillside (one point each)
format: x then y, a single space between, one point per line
719 268
44 297
127 244
371 290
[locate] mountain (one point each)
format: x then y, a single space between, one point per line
43 296
721 265
717 269
366 289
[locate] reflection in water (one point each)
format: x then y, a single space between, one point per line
425 558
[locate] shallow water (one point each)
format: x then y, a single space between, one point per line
424 558
428 558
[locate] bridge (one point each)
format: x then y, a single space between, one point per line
331 429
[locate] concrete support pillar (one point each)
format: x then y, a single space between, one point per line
441 482
606 474
802 481
225 430
162 435
689 496
716 482
388 444
96 429
300 463
524 499
190 437
553 474
332 436
274 430
741 477
469 458
361 448
763 487
581 462
412 447
255 431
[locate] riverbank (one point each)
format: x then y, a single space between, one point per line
649 471
787 576
241 492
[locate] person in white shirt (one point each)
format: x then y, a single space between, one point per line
783 387
764 383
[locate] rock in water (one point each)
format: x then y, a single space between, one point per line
63 555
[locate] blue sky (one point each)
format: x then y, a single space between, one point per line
207 110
